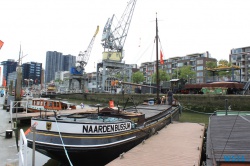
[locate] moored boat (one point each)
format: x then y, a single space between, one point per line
103 134
43 104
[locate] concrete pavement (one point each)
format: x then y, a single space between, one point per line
8 148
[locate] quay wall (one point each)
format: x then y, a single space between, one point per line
211 103
198 102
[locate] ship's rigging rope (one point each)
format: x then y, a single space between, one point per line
66 153
144 52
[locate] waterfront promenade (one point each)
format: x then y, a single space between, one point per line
8 148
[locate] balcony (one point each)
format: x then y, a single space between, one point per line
192 64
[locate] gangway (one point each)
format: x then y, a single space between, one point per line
246 87
14 105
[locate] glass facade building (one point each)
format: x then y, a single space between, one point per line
9 66
32 71
56 61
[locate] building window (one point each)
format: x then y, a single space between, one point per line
199 68
199 74
236 51
199 80
199 62
180 64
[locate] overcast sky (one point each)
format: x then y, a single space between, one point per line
67 26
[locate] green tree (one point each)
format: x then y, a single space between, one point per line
121 76
224 73
137 77
211 64
224 63
186 73
176 73
163 76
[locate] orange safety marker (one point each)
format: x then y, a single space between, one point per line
29 129
111 104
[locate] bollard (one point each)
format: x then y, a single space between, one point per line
16 134
226 105
8 134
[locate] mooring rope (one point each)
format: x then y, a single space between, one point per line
63 144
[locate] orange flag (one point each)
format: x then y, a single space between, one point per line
4 82
1 44
161 58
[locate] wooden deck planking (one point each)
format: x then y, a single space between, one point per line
24 115
175 145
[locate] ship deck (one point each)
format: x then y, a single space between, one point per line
148 110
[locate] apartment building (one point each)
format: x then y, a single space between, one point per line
241 57
197 62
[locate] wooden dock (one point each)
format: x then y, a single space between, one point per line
178 144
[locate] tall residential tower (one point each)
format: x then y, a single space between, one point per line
56 61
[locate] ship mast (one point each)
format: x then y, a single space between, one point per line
18 85
157 68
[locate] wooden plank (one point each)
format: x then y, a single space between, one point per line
177 144
24 115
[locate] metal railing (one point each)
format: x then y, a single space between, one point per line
246 87
14 104
22 149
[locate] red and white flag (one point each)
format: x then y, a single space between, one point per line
161 58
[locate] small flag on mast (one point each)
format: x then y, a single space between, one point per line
1 44
161 58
